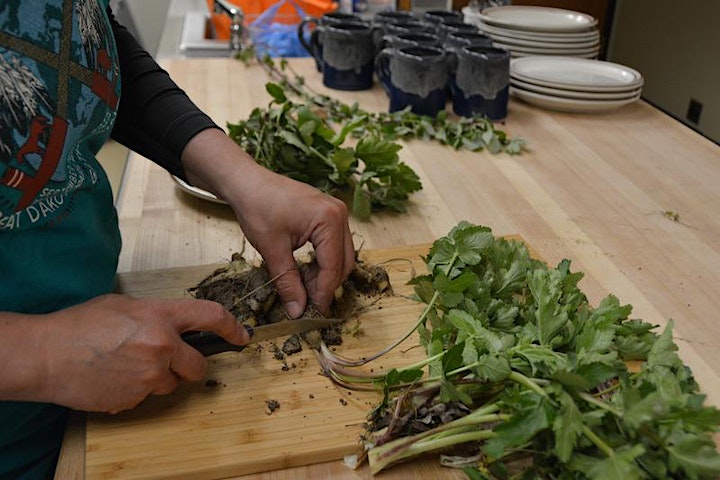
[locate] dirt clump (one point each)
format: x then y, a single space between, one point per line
248 292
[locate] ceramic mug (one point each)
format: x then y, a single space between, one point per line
435 17
480 82
346 53
450 26
457 40
414 76
412 39
395 27
315 26
383 17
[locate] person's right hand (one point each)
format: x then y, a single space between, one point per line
110 353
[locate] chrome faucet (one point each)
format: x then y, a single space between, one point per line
236 26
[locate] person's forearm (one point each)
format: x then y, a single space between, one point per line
21 357
211 158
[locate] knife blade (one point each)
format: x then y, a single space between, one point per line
210 343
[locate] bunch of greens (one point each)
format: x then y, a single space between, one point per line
526 380
291 139
474 134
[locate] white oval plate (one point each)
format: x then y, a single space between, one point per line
547 51
593 34
197 192
557 92
569 104
515 54
541 43
537 19
576 73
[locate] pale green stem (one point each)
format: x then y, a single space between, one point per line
600 404
597 441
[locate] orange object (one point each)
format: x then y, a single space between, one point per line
253 8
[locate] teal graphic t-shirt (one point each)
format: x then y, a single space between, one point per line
59 238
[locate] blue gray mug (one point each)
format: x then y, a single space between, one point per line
480 82
414 77
411 39
438 16
346 54
311 27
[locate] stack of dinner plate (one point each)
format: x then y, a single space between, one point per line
531 30
573 84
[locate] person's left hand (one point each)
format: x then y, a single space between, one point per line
278 215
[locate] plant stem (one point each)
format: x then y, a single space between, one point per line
380 457
527 382
600 404
597 441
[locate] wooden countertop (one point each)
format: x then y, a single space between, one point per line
631 196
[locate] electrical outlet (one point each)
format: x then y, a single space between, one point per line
694 110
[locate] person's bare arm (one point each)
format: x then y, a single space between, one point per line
278 215
107 354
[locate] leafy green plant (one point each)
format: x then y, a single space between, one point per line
474 134
527 380
299 140
293 140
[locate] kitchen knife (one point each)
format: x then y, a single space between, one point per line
210 343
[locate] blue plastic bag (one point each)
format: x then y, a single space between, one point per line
274 38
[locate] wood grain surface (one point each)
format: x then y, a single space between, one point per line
223 427
630 196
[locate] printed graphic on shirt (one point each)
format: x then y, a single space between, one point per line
59 87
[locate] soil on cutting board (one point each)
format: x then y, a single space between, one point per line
248 292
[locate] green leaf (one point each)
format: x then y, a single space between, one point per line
695 456
572 380
474 473
619 466
453 358
449 392
648 409
546 289
664 351
344 161
294 140
541 358
568 427
493 368
471 242
276 92
398 377
533 417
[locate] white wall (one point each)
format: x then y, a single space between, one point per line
145 18
676 46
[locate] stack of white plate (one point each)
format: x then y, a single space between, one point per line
530 30
574 84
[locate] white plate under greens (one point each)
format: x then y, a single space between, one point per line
196 192
576 73
537 19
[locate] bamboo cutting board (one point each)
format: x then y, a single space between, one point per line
222 427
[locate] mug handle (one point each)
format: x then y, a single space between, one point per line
382 67
378 35
301 32
384 43
316 46
451 60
